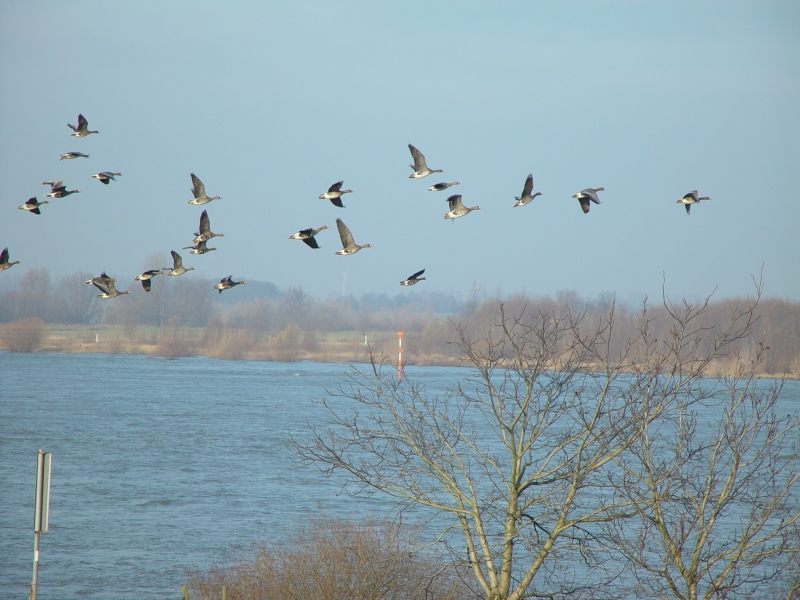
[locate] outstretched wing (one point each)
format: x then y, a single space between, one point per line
311 242
4 256
454 201
205 225
417 274
198 189
419 158
344 234
82 122
528 188
177 261
336 186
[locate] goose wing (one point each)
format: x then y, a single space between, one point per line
419 158
528 187
4 256
177 261
344 234
311 242
82 123
336 186
455 202
205 225
102 284
585 203
198 189
147 284
337 202
417 274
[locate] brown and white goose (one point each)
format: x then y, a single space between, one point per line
457 208
227 283
420 167
147 278
105 284
106 176
72 155
348 245
690 198
32 205
307 236
526 197
199 192
4 262
58 189
586 196
413 279
205 232
177 266
82 129
334 194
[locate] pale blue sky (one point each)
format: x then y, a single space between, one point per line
269 103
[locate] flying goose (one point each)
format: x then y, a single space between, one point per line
690 198
105 284
72 155
82 130
177 265
4 263
58 189
227 283
106 176
205 232
525 197
146 278
586 196
199 192
457 208
348 245
438 187
413 279
198 248
334 194
32 205
307 236
420 167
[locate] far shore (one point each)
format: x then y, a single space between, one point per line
288 345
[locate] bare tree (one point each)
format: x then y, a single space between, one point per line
523 458
713 482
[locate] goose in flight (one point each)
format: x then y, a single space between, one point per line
413 279
205 232
348 245
525 197
198 248
457 208
4 262
106 176
420 167
308 236
438 187
72 155
177 266
227 283
199 192
690 198
58 189
105 284
147 278
334 194
32 205
586 196
82 130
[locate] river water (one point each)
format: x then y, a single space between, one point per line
161 466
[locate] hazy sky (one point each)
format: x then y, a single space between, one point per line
269 103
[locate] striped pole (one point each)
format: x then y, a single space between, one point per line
399 355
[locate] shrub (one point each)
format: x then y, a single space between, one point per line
333 561
24 335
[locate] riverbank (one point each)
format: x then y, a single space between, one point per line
288 345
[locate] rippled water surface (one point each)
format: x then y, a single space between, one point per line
160 466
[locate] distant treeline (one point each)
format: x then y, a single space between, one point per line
261 309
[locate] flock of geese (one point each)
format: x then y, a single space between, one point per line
420 169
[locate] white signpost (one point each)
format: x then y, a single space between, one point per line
41 510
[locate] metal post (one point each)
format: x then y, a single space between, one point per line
400 355
41 511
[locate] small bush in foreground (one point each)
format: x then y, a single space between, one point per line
334 561
23 336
